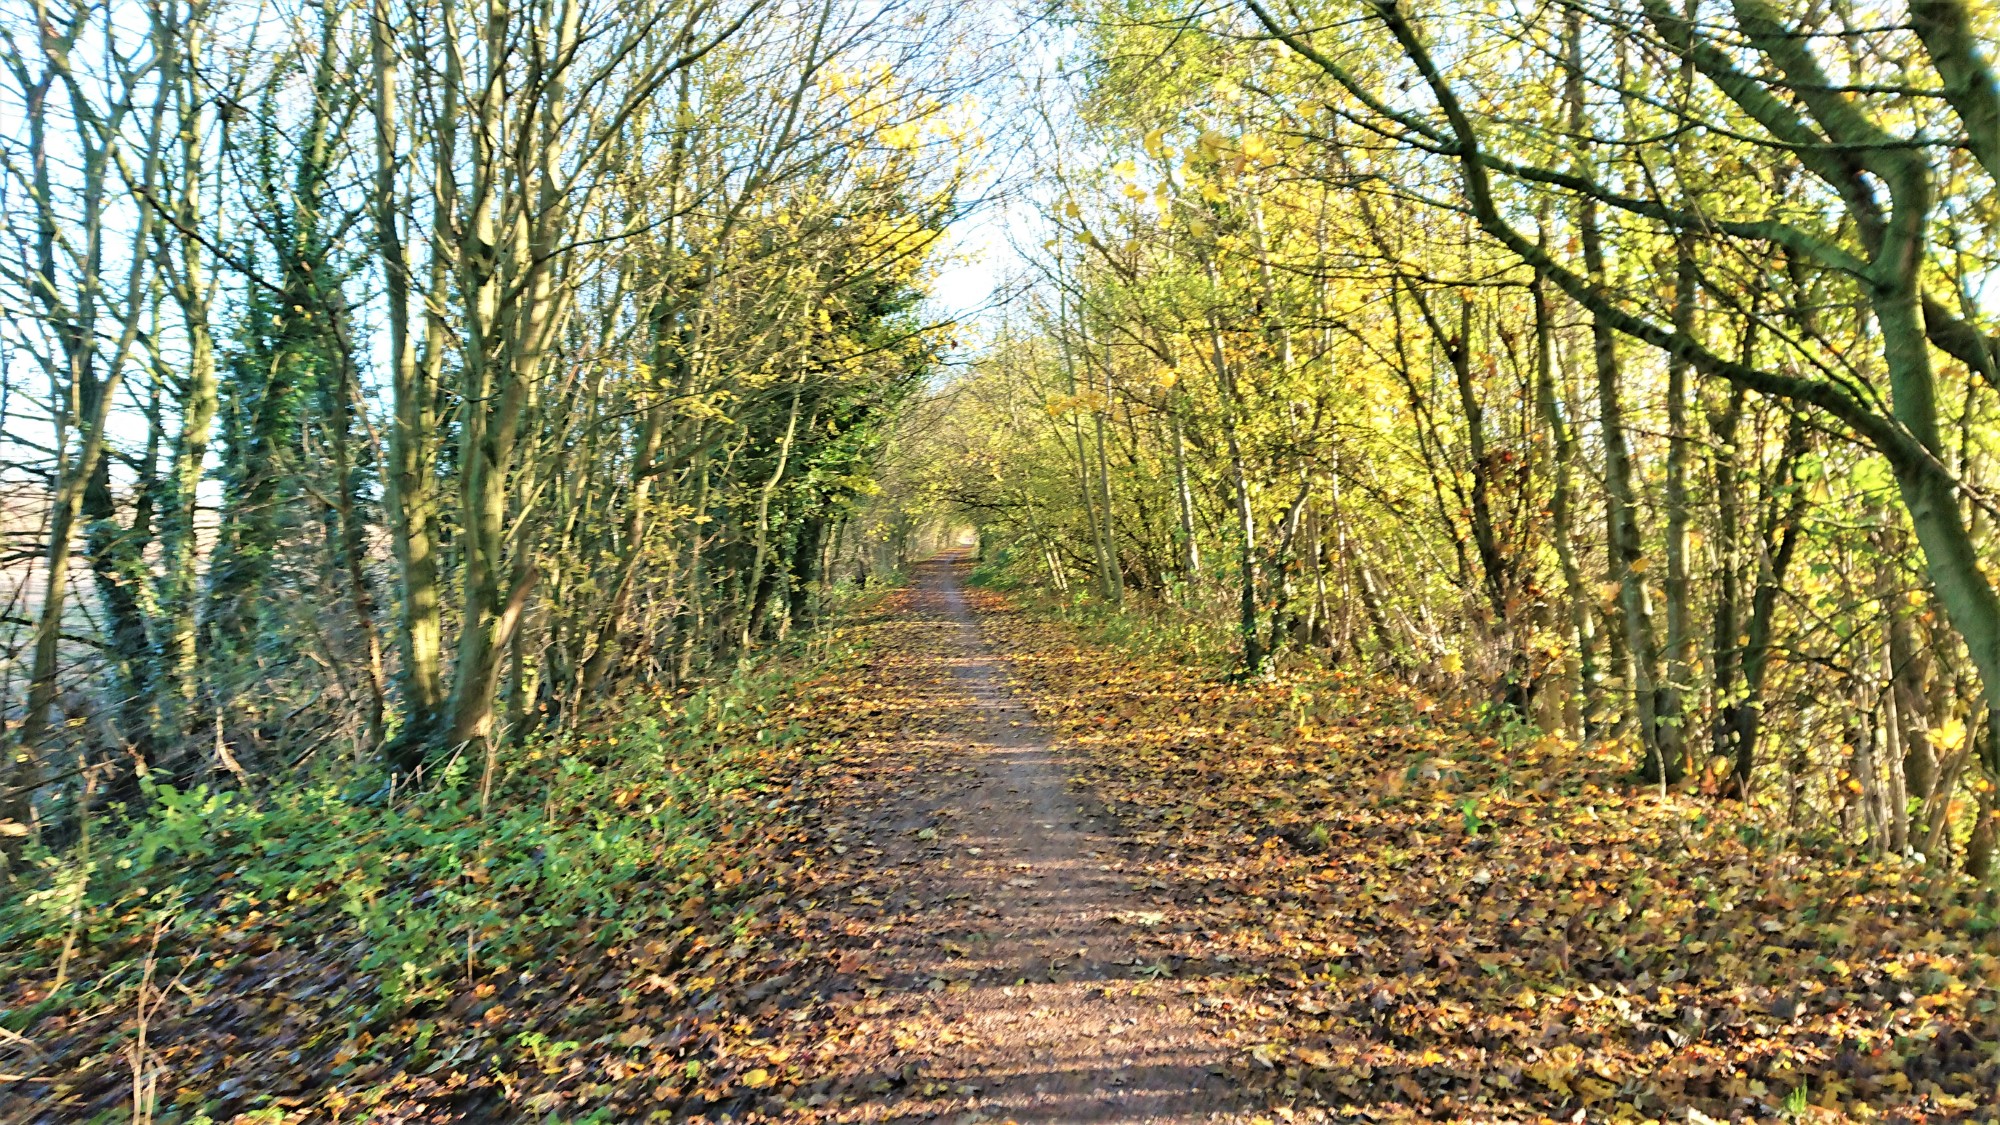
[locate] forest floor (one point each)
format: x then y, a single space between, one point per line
1078 882
968 864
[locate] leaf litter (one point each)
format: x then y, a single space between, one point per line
1367 908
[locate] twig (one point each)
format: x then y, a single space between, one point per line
83 879
146 1080
223 757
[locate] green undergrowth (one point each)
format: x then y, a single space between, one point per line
336 915
994 570
573 821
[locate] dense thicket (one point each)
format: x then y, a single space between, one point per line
1629 363
394 377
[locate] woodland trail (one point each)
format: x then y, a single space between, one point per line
1003 980
975 865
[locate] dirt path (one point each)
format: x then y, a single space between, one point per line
995 965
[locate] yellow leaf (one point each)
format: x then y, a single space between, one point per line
1950 735
757 1079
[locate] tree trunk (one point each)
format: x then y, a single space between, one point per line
410 482
1661 759
1254 656
1742 717
1677 667
1585 700
1184 508
1726 652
